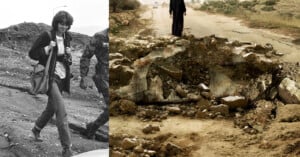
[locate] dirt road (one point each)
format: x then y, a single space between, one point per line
203 24
217 137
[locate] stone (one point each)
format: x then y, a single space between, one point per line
288 113
206 95
234 102
222 109
150 129
113 56
132 154
172 149
120 74
117 154
151 152
114 108
172 95
193 96
155 92
182 42
258 119
181 92
139 149
127 106
173 109
129 143
289 92
203 87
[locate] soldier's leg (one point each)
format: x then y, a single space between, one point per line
102 84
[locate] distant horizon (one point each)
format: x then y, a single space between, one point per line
88 30
89 16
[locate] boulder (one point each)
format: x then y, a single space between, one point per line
289 92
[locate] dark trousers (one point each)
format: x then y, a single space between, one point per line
56 106
102 84
177 25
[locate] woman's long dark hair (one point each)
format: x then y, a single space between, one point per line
62 17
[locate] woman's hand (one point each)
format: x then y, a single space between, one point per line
52 44
68 50
49 47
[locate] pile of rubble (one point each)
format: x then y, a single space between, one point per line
126 145
208 77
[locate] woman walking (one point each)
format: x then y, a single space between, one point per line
57 41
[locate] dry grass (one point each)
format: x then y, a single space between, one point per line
285 18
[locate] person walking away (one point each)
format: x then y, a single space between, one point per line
98 46
59 76
177 10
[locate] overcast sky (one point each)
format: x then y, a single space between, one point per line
89 16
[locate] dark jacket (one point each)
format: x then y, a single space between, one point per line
98 46
177 7
37 52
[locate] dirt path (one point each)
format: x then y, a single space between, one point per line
203 24
19 110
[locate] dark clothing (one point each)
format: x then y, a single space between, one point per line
98 46
177 8
37 52
55 103
56 106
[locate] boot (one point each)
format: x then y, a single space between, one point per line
91 130
67 152
36 134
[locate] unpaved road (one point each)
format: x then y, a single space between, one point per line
217 137
203 24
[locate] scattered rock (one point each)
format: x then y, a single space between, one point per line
149 129
235 101
129 143
222 109
117 154
180 91
127 106
203 87
172 149
173 109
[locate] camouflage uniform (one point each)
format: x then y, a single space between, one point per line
98 46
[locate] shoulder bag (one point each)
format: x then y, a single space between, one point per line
40 76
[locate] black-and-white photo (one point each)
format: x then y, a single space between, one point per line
54 78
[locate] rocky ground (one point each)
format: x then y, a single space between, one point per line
19 110
207 96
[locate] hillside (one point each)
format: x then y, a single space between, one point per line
21 36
